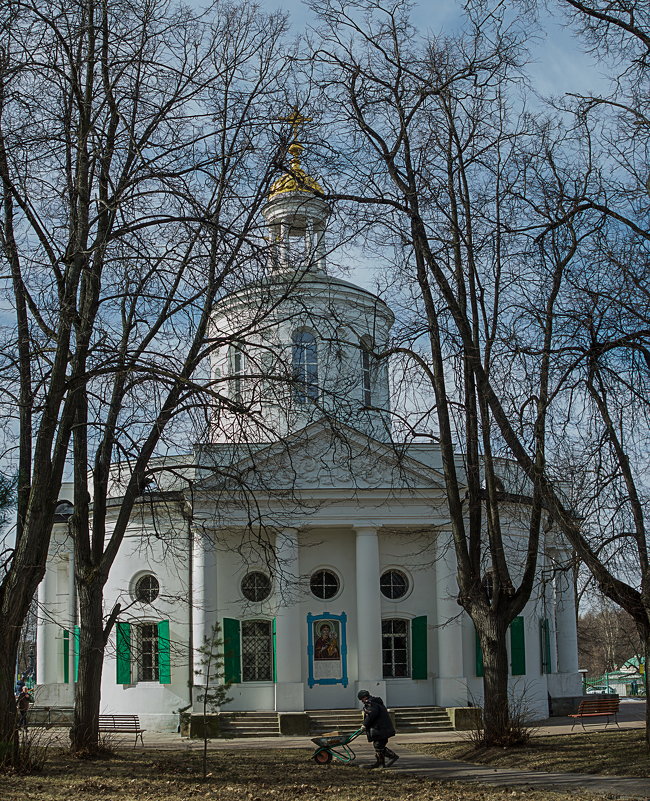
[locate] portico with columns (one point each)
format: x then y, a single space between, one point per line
330 568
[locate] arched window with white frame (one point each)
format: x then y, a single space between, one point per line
305 365
236 363
257 650
395 648
366 370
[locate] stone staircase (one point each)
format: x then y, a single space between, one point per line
324 720
414 719
408 720
249 724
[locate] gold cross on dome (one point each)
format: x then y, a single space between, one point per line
296 120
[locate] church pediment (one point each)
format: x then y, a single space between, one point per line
320 457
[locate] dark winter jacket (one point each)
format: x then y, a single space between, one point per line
376 719
23 701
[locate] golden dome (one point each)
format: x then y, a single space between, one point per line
295 179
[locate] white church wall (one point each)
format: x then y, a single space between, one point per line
162 552
470 688
529 691
55 631
327 308
232 563
413 554
330 549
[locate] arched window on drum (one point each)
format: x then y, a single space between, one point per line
305 365
236 369
366 370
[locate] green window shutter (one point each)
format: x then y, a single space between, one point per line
66 656
232 651
419 668
123 652
517 647
479 656
164 661
545 643
75 652
275 661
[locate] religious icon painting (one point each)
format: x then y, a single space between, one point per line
327 649
326 640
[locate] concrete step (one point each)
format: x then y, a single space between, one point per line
252 733
421 719
324 720
423 726
250 724
266 724
407 719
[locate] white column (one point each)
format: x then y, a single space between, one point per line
72 616
289 686
450 686
547 577
47 631
284 246
566 623
309 240
319 246
204 595
369 675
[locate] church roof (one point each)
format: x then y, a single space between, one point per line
324 455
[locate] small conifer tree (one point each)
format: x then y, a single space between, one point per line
214 693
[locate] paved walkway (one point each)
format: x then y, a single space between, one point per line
441 770
632 716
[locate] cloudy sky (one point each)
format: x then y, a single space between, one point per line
559 63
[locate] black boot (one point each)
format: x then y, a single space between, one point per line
380 760
392 758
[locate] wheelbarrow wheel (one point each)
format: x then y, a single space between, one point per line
322 757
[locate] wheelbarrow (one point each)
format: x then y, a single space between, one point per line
335 746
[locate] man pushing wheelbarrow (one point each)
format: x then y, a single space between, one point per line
379 728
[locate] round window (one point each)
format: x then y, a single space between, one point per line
394 584
256 586
147 589
324 584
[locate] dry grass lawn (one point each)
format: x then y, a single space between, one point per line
273 775
608 753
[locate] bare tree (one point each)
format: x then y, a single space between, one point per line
395 103
606 351
150 153
433 147
607 638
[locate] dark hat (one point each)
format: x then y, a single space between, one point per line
363 694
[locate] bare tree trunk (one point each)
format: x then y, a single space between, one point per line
492 635
84 734
9 635
644 633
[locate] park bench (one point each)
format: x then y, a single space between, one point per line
596 707
121 724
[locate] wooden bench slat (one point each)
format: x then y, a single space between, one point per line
123 724
597 707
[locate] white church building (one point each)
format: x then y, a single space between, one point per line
320 547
